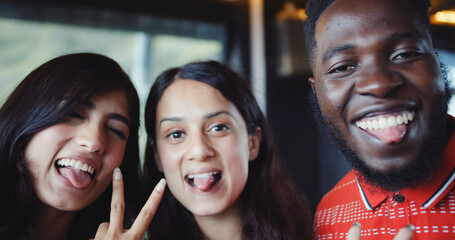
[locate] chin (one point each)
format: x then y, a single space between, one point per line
65 205
386 165
206 210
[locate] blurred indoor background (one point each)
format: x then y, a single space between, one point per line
262 39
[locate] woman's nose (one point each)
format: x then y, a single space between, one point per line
92 138
199 148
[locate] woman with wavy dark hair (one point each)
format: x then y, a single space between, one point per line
210 140
64 130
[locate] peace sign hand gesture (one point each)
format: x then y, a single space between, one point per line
114 228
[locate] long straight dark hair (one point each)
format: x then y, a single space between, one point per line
47 96
272 207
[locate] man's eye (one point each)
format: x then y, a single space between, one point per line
343 68
407 55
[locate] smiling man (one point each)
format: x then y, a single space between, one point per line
380 90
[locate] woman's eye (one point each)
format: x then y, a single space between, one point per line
77 115
175 135
220 127
118 132
343 68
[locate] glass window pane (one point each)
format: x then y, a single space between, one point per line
142 52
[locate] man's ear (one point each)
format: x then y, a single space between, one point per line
311 82
254 143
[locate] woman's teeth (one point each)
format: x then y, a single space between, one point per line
203 181
67 162
201 175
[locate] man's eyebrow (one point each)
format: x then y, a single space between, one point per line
211 115
120 118
331 52
404 35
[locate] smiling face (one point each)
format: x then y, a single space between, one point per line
377 80
72 161
203 147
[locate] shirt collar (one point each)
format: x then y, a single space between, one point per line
427 195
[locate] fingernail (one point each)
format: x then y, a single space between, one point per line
161 184
357 224
117 174
411 227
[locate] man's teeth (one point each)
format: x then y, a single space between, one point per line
67 162
386 121
201 175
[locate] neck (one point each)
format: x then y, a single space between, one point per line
52 223
224 226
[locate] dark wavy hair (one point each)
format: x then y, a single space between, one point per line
315 8
47 96
272 207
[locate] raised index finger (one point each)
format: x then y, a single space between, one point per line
354 232
405 233
148 210
117 202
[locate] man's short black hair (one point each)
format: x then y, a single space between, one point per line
315 8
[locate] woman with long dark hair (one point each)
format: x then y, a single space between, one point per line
208 137
64 130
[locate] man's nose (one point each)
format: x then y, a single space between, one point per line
378 78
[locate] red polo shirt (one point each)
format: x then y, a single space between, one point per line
430 208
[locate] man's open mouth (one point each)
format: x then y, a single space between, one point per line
390 127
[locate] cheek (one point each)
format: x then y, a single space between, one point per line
169 157
172 168
427 76
435 86
331 95
115 157
236 153
39 157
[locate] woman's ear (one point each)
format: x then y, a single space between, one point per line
254 144
158 161
156 156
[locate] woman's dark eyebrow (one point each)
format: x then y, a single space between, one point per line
211 115
172 119
116 116
89 104
120 118
207 116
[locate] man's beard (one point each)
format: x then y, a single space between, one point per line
419 170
